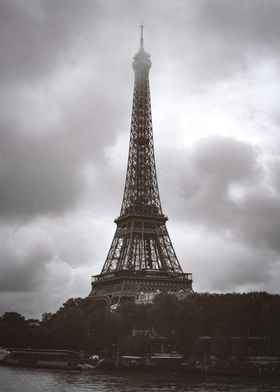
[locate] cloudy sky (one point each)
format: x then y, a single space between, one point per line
66 94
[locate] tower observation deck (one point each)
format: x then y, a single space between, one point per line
141 259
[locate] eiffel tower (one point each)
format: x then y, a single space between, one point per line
141 260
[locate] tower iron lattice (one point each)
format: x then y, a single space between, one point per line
141 260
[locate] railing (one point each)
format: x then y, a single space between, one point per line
143 273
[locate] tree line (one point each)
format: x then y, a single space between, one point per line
89 326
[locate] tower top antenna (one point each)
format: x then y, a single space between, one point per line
142 39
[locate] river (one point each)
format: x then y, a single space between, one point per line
14 379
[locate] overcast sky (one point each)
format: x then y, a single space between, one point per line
66 85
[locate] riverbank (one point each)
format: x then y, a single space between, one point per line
156 362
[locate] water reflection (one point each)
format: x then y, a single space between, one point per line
34 380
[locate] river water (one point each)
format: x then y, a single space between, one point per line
14 379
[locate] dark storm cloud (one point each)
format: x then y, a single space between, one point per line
251 23
37 175
43 154
275 175
205 41
23 262
230 266
259 219
223 187
45 174
37 36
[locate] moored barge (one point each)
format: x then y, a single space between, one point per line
43 358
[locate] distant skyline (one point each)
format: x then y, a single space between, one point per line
67 83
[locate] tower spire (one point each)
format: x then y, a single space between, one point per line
142 39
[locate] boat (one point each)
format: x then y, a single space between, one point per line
3 354
151 362
45 358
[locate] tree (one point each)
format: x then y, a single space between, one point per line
12 318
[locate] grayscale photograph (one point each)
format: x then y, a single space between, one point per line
140 195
